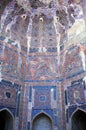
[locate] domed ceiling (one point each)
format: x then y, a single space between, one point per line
25 21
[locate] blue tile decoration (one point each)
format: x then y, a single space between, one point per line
13 110
71 110
54 92
66 97
30 94
12 89
42 98
18 104
38 111
55 118
2 38
43 92
28 125
55 111
38 104
67 115
76 87
10 84
83 106
43 62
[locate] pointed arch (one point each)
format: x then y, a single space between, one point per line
6 109
42 113
78 109
78 120
42 121
6 119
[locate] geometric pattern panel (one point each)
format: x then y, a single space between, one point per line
42 99
76 93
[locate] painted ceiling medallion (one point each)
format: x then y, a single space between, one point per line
46 1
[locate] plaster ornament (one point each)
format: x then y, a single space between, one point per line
46 1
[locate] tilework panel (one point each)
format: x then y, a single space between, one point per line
6 86
13 110
42 96
72 109
39 103
28 126
42 68
55 120
67 117
38 111
30 94
71 62
42 64
13 101
13 64
76 93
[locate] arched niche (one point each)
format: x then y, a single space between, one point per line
78 120
6 120
42 122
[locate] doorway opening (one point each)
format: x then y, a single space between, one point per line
79 120
6 120
42 122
